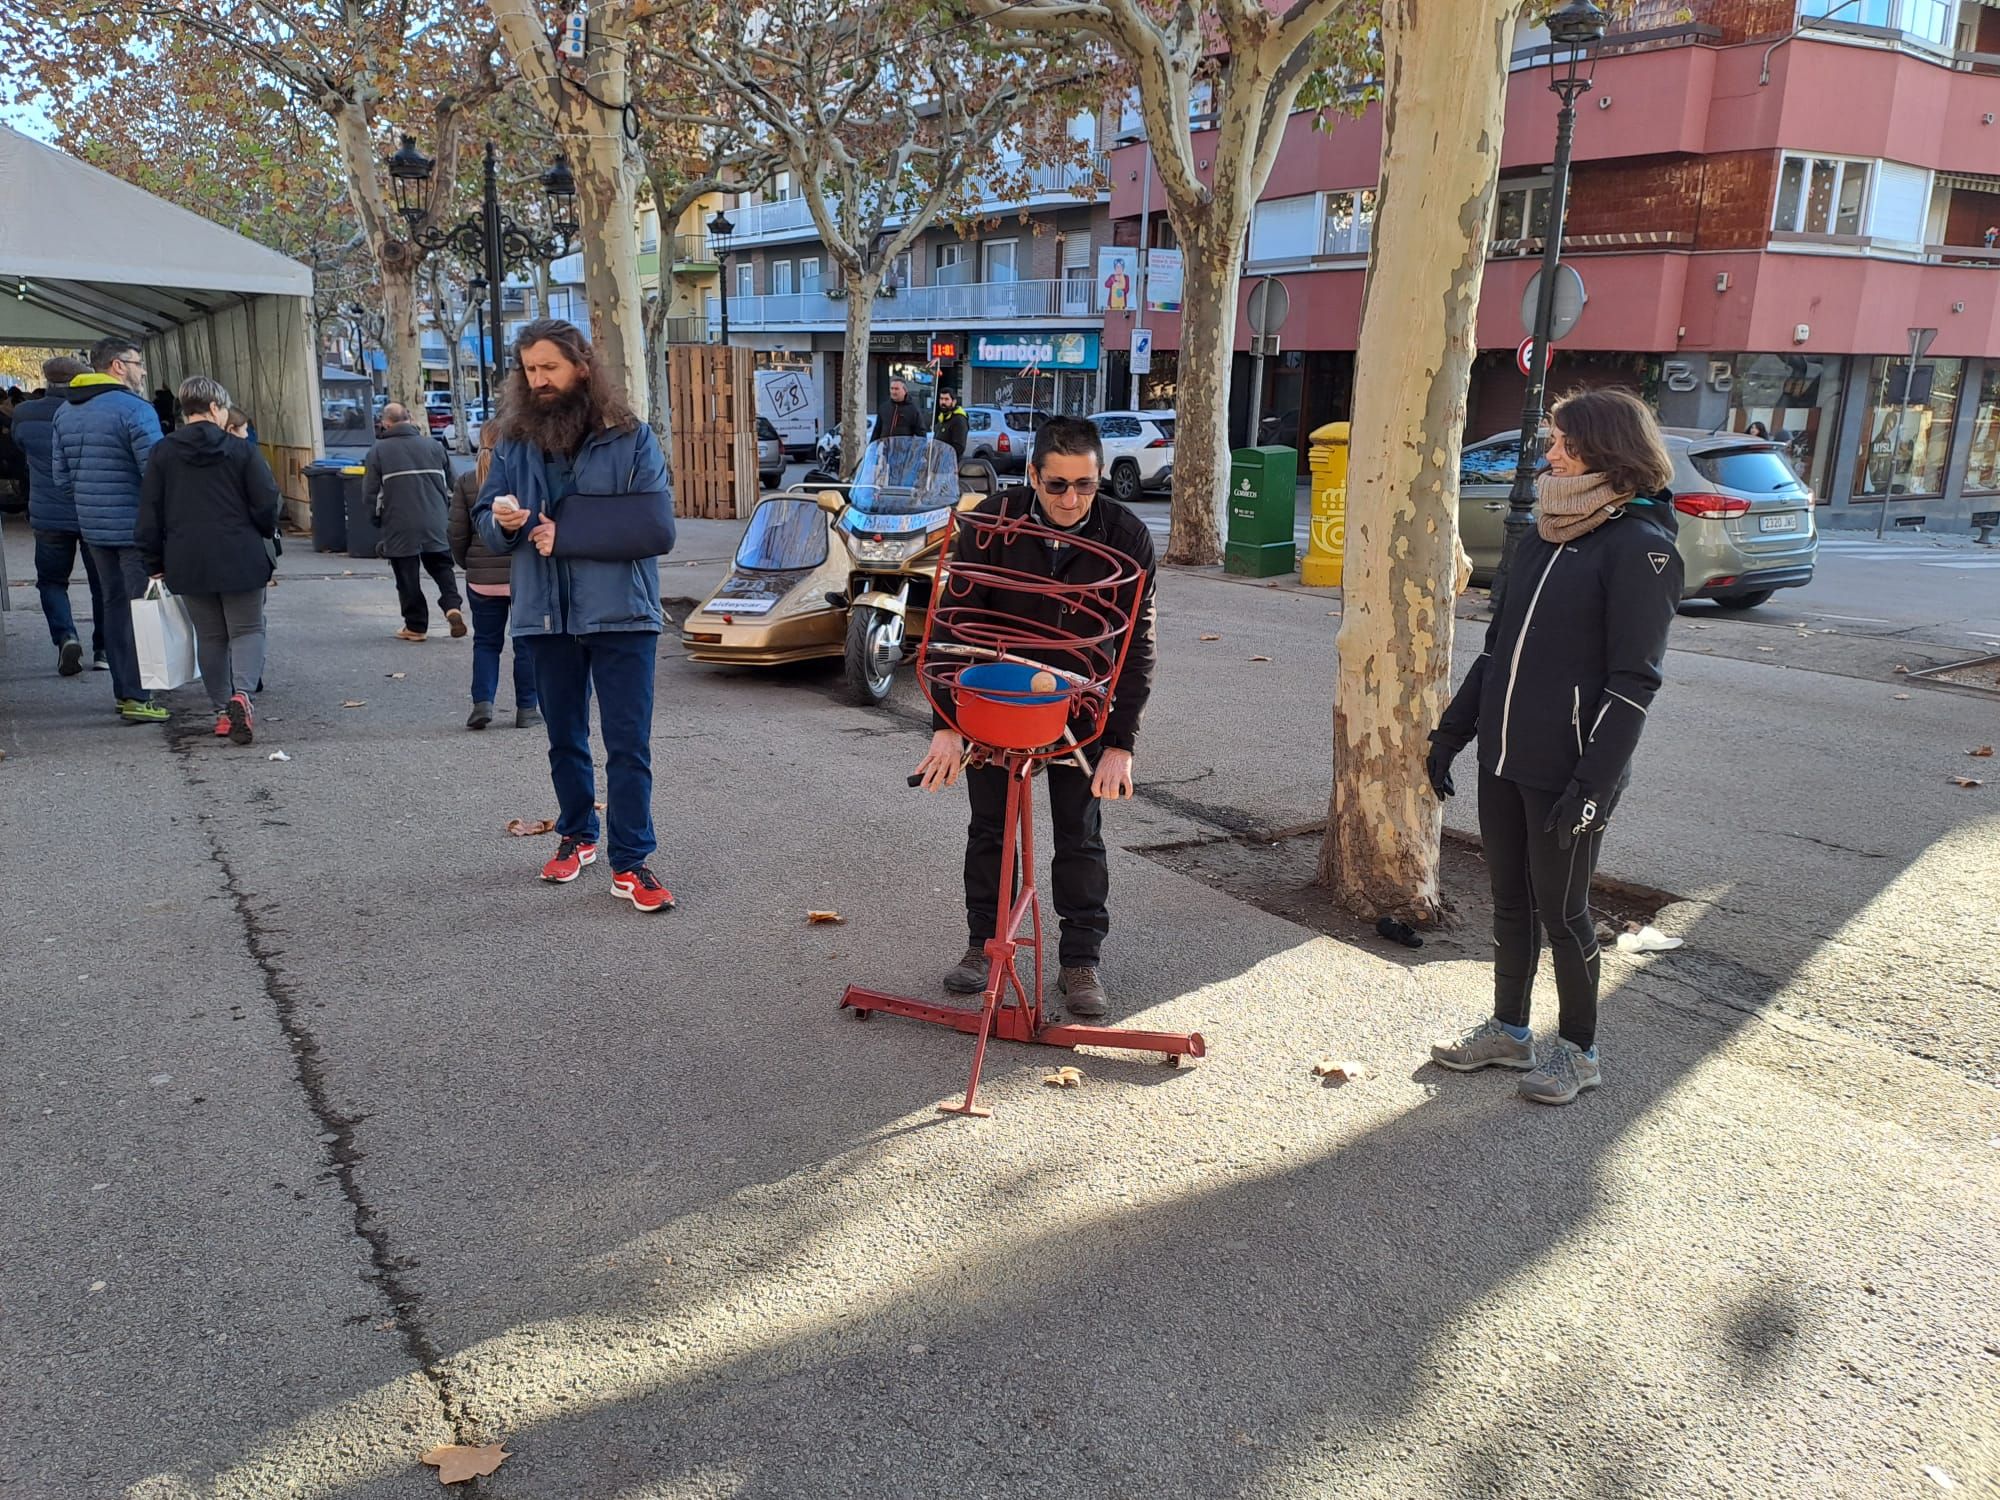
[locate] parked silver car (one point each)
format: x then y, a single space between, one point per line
1746 520
770 455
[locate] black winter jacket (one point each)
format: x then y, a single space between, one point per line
1116 527
206 505
1574 656
952 430
901 419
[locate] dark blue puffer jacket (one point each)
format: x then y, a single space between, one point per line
103 436
50 507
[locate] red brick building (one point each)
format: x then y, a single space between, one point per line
1767 196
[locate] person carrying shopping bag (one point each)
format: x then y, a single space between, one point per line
208 508
489 585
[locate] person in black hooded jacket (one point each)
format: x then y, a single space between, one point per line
1557 701
208 511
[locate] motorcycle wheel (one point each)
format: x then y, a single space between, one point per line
874 650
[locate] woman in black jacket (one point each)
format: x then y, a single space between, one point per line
1557 700
208 510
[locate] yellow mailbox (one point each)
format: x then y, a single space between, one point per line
1328 535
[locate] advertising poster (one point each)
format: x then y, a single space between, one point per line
1163 281
1117 272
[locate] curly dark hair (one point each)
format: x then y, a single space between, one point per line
602 402
1612 432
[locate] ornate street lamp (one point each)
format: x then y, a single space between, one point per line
720 228
489 238
1574 31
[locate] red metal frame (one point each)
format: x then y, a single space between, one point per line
1010 1009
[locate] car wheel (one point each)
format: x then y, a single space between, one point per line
1744 601
1125 481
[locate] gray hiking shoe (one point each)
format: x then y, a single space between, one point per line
1083 992
969 978
1487 1045
1564 1073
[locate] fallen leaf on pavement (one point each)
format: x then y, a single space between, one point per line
1211 637
1260 658
523 828
1767 648
396 676
277 755
1338 1070
1967 781
1939 1477
1064 1078
825 919
355 703
458 1462
1901 670
1981 753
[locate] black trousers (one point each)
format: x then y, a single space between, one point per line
1539 887
1079 877
410 586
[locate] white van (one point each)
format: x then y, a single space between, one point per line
789 401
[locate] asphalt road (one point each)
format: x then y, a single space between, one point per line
330 1133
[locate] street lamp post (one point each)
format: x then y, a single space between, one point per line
720 228
490 239
1576 29
477 285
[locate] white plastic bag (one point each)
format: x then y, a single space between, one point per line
163 631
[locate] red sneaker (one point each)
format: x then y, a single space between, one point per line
222 725
643 890
571 856
237 711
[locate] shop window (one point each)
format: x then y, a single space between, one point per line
1906 443
1982 465
1797 398
1521 210
1350 223
1822 195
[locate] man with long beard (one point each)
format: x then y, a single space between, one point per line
580 479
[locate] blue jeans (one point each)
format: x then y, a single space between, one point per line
55 556
122 578
619 665
489 639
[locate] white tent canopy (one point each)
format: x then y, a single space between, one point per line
83 255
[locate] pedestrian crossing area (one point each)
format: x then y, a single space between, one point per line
1868 550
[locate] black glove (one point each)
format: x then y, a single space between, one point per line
1577 814
1437 766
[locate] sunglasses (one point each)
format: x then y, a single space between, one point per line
1084 488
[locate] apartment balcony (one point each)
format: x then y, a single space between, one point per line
1018 302
1054 186
695 255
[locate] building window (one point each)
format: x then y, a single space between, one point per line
746 280
1797 398
952 267
1521 210
1350 223
1822 195
998 261
781 278
1982 464
809 275
897 274
1926 20
1284 229
1906 445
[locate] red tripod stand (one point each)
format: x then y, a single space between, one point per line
1034 691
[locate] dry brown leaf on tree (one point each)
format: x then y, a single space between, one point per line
458 1462
826 919
523 828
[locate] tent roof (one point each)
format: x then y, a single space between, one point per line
98 256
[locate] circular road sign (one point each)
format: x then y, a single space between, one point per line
1525 356
1270 304
1570 297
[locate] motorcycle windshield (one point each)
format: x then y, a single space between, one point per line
783 534
905 476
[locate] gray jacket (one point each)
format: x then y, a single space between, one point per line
407 486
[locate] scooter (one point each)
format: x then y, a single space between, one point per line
833 569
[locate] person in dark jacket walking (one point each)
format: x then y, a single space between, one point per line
489 584
52 517
206 520
580 479
102 437
1064 474
901 419
951 425
407 487
1557 701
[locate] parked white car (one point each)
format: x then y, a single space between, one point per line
1138 450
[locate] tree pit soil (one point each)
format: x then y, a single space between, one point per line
1275 872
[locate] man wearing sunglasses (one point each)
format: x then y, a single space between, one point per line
1064 473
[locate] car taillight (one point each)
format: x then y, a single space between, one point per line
1710 507
1003 445
1159 443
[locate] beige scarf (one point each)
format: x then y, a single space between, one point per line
1574 506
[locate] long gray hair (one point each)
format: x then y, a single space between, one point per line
199 393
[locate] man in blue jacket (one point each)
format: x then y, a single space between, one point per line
104 433
579 479
52 515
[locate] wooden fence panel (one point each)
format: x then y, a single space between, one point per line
713 410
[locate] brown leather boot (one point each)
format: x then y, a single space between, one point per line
1083 993
969 978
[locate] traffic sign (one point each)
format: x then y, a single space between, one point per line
1524 356
1570 298
1270 305
1142 351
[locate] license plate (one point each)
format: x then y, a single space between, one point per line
739 606
1787 522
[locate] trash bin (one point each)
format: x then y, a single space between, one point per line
1327 538
363 535
1263 503
326 492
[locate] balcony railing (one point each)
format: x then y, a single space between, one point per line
975 302
694 250
1002 187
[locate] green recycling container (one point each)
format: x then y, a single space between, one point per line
1263 508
